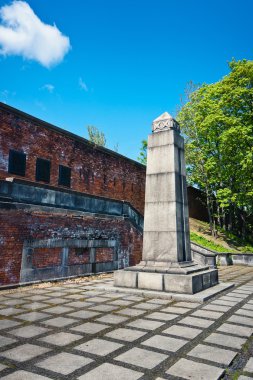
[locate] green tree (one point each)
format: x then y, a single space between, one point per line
143 153
217 122
96 136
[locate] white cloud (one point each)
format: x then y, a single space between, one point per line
82 85
49 87
23 33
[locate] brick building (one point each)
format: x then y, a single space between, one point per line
67 206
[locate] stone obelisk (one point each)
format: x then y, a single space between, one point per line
167 263
166 223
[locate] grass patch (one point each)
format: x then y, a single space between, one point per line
225 241
198 239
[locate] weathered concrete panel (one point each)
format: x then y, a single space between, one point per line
152 281
127 279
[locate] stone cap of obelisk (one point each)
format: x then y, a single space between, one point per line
165 122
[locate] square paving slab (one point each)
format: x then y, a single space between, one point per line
226 340
182 331
197 322
241 320
147 306
249 366
7 323
24 352
224 303
34 306
33 316
4 341
90 328
175 310
142 358
190 305
59 322
109 371
159 301
207 314
104 308
245 313
59 309
98 299
64 363
213 354
236 329
10 311
29 331
216 308
248 306
132 312
165 343
24 375
161 316
145 324
99 347
12 302
79 304
121 302
61 338
187 369
112 319
128 335
83 314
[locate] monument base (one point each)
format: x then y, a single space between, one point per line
189 281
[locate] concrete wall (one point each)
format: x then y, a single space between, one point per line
229 258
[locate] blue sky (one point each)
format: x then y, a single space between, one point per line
129 61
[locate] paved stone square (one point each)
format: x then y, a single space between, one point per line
76 330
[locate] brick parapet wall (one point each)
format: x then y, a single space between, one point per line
94 170
16 226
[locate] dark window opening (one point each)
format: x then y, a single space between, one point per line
114 182
82 252
17 163
43 170
87 177
105 179
93 268
64 176
132 187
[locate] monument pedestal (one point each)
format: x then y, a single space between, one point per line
166 264
190 283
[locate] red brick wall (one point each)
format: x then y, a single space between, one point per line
104 254
17 226
46 257
93 170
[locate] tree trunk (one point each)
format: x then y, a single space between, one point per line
208 203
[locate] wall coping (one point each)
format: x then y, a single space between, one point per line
16 192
